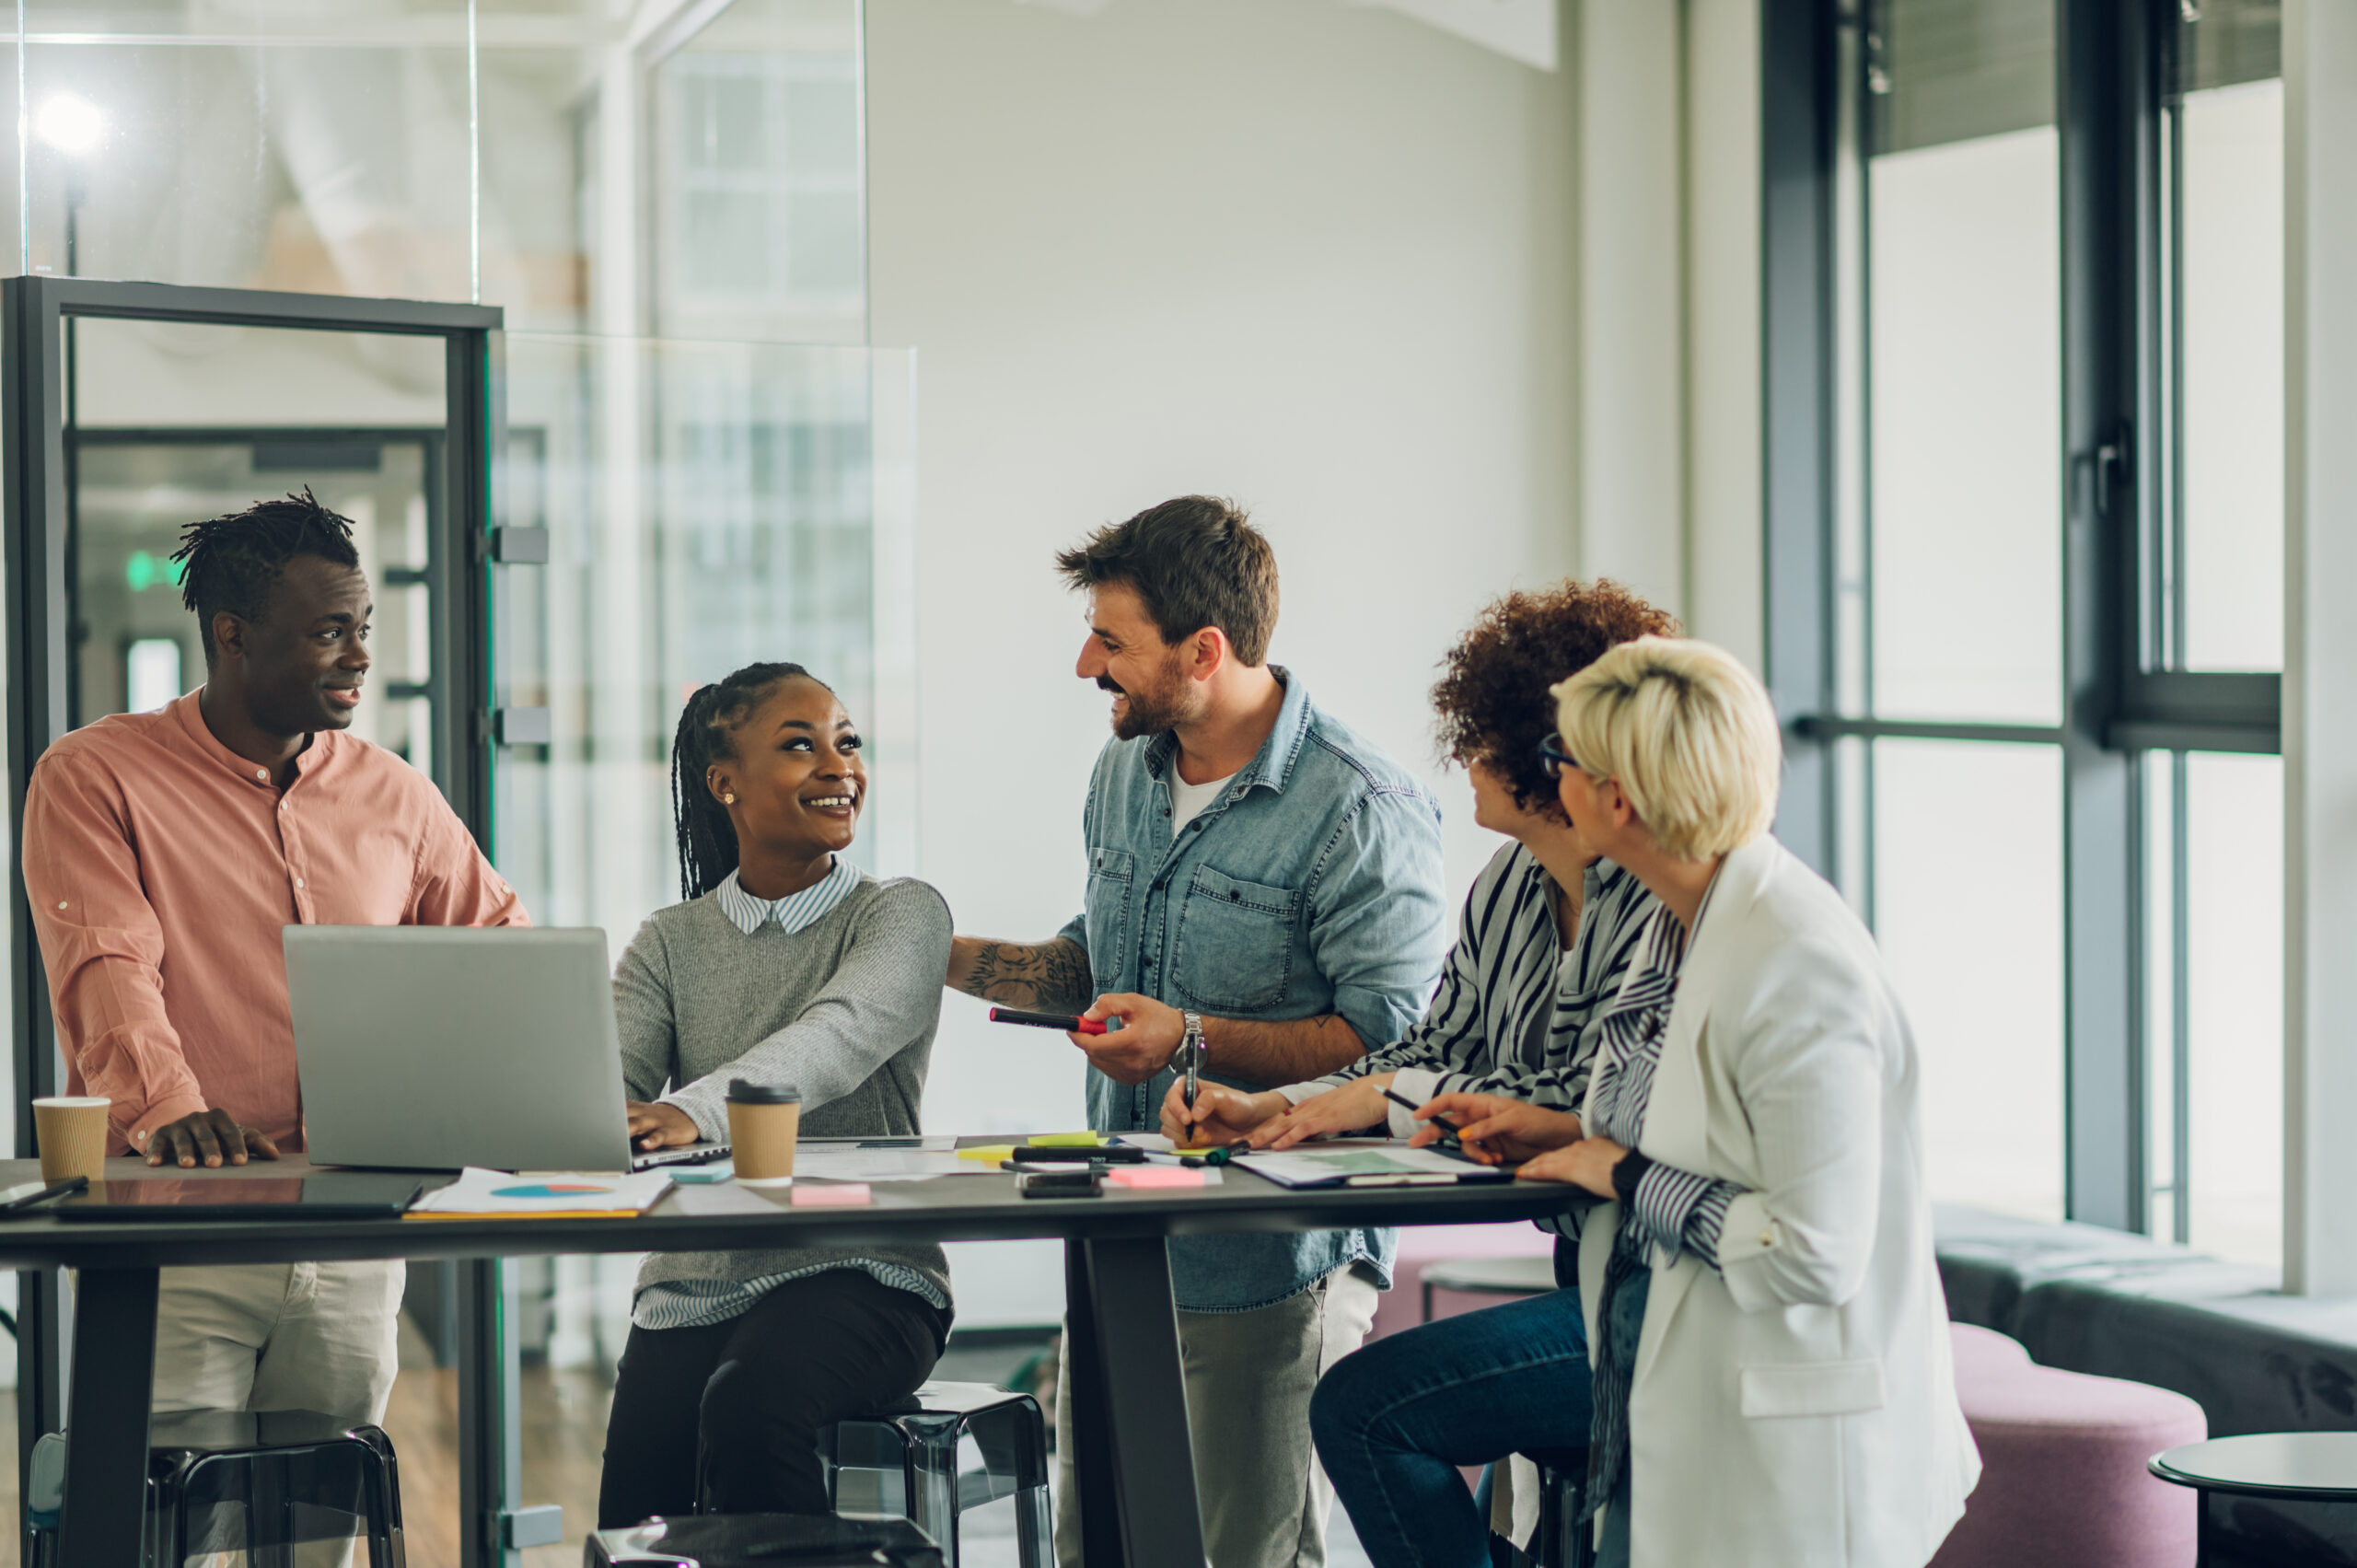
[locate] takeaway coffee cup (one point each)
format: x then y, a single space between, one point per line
71 1133
762 1123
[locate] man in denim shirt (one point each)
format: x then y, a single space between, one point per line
1256 865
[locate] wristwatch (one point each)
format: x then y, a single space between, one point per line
1190 1054
1627 1171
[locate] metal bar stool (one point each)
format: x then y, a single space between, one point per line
950 1448
256 1482
1558 1539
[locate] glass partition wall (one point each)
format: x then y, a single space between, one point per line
695 461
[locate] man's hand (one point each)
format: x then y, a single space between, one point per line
1586 1165
660 1126
210 1138
1144 1044
1356 1104
1497 1129
1221 1116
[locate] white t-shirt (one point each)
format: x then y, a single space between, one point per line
1187 801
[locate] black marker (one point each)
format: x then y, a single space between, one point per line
1067 1022
1443 1122
26 1194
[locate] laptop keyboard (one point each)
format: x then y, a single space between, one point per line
704 1154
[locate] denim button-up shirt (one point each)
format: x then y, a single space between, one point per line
1311 885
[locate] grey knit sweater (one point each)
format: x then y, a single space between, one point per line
844 1010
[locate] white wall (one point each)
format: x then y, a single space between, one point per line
1724 597
1311 256
1668 313
1631 325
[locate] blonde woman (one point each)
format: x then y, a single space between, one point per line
1766 1327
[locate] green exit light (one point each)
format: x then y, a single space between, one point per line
145 570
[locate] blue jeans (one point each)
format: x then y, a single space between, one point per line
1393 1423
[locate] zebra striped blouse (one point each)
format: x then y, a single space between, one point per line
1515 1014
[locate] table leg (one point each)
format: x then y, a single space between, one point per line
1131 1458
112 1383
2206 1534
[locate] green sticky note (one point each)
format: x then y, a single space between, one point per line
1066 1140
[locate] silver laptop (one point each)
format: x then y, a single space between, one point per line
432 1047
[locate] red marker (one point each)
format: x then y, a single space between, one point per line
1064 1021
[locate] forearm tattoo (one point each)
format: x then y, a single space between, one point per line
1050 975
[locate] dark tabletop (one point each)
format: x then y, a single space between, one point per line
725 1216
2315 1465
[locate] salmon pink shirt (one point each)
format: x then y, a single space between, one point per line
163 867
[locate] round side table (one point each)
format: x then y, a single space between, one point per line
2307 1467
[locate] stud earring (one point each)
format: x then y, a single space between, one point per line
728 800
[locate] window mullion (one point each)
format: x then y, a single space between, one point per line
2105 115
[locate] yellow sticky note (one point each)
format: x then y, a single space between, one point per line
1066 1140
989 1153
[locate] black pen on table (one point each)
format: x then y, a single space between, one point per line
1448 1127
27 1194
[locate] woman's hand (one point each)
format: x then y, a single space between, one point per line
1221 1116
660 1126
1497 1129
1356 1104
1586 1165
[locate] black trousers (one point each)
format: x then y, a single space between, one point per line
725 1419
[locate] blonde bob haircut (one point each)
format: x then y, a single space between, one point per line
1690 733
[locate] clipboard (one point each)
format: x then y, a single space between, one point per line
1385 1163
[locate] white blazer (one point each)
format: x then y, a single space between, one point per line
1798 1406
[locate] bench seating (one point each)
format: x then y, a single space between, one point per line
2087 1299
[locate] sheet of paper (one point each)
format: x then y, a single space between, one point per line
932 1142
1356 1156
481 1191
729 1199
840 1164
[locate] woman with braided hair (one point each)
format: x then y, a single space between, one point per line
787 966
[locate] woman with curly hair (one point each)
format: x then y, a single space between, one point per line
1548 929
1549 932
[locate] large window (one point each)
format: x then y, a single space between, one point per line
2026 562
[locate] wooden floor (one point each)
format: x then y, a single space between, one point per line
565 1428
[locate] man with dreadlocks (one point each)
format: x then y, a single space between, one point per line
164 855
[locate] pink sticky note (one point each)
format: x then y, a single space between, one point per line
1151 1175
841 1195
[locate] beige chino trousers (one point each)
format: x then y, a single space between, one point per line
279 1336
1264 1497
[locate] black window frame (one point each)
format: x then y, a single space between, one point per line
2114 68
35 312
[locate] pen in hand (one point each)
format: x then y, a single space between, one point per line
1448 1128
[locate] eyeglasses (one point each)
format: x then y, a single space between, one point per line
1552 757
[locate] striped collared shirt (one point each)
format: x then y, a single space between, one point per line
794 912
1515 1013
1675 1210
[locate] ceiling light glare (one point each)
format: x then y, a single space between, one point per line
71 123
